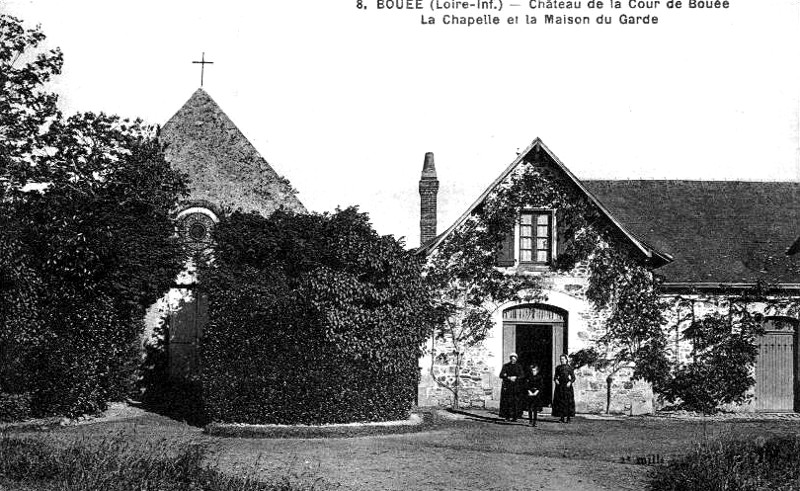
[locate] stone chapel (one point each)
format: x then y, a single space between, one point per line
226 173
707 240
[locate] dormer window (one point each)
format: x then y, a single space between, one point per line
535 237
531 242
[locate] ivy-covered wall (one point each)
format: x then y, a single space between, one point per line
682 309
313 319
479 380
597 275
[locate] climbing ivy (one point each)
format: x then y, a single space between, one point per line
634 327
724 346
470 286
313 318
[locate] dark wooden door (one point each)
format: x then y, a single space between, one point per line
185 330
775 367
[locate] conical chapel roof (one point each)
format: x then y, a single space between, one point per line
223 166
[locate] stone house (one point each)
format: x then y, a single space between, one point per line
225 173
707 241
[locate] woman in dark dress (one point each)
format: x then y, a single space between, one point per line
564 395
512 375
534 384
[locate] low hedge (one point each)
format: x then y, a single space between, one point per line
424 421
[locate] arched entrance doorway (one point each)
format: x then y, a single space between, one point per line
538 334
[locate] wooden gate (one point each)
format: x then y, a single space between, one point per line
776 366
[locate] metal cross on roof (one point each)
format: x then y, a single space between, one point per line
203 64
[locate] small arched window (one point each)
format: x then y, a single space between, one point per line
195 225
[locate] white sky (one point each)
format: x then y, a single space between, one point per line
344 102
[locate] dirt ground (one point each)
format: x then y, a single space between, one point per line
455 453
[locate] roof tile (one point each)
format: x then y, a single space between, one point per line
717 231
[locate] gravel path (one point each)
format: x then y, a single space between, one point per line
453 452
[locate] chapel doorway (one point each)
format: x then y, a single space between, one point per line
537 333
184 331
776 367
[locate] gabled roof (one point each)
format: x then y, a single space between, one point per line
537 145
223 166
717 231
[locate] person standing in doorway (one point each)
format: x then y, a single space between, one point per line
564 394
534 383
512 375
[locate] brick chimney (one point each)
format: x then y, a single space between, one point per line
428 189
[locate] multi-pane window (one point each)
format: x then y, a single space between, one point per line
535 236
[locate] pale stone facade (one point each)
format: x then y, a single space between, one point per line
480 383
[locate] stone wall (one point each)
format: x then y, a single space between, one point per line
479 384
476 381
628 396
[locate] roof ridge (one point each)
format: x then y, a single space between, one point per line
225 167
538 144
755 181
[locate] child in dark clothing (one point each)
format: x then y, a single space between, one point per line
534 384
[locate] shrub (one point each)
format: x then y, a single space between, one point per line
758 464
14 407
77 271
312 319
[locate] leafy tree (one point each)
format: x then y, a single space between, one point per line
85 255
100 253
723 357
26 108
312 319
634 334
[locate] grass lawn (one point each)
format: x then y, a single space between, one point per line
450 454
